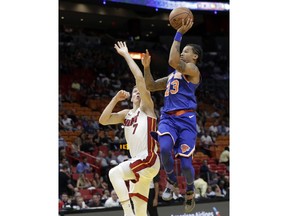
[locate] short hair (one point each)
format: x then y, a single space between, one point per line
197 50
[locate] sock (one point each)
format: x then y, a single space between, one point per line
127 207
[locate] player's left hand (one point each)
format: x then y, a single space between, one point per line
121 48
146 59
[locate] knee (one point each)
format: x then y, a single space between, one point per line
114 172
186 166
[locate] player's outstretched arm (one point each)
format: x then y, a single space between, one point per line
108 117
151 84
140 82
174 58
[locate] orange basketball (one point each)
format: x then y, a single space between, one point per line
177 14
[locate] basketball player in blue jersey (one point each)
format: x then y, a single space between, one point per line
177 126
138 122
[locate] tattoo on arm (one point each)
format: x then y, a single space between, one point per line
181 66
177 48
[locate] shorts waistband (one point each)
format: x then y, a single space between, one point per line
178 112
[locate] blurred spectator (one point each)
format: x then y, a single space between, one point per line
83 166
65 182
87 144
224 156
95 201
111 156
64 161
98 181
103 163
112 201
200 187
67 123
64 202
76 147
96 139
106 140
83 182
223 129
80 204
62 143
205 143
122 156
213 129
205 171
105 195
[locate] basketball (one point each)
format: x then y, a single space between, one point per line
177 14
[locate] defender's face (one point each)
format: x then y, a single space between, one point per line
135 96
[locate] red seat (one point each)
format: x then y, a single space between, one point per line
86 194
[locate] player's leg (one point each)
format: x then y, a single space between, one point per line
117 176
186 148
139 195
189 173
166 146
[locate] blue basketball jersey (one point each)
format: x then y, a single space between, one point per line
180 93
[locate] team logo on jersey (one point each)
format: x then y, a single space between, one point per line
184 148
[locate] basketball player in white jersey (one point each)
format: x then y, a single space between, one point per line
138 122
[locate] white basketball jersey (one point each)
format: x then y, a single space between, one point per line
137 127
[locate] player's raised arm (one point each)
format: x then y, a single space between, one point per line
178 60
140 82
151 84
108 117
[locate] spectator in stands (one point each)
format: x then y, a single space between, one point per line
83 166
122 156
98 181
65 182
80 204
76 147
64 161
223 129
64 202
90 129
61 142
224 156
213 129
205 143
87 144
95 201
200 187
94 123
106 140
111 156
112 201
96 139
205 172
102 161
200 129
105 195
83 182
67 123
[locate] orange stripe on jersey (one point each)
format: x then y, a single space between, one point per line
149 161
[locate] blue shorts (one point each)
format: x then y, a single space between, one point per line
182 130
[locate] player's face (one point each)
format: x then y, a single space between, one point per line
135 96
188 55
